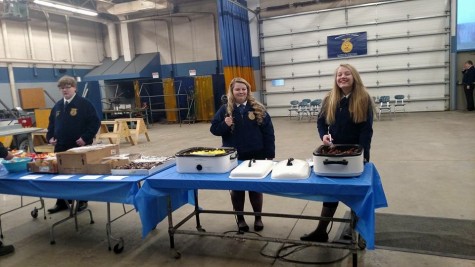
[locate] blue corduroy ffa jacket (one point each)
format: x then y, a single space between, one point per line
78 120
248 137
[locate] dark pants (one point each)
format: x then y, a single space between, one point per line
469 97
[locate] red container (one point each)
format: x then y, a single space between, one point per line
25 122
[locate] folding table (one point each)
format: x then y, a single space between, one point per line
363 194
102 188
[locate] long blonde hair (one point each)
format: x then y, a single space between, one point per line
259 109
359 100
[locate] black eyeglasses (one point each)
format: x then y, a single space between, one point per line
65 87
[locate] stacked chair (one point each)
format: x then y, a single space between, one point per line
294 106
304 108
315 107
384 106
399 104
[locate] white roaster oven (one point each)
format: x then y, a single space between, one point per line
206 160
338 160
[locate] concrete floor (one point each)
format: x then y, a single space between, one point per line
426 161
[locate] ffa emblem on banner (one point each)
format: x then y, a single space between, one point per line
251 115
73 112
346 46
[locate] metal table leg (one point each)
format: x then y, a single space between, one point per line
73 213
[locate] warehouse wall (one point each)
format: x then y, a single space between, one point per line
408 48
188 41
37 49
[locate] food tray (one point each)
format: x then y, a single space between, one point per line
252 169
166 162
339 151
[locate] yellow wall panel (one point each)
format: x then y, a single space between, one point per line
6 140
244 72
170 99
204 98
42 117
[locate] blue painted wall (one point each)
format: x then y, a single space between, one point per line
183 69
93 95
31 75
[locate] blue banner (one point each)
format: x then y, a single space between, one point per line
347 45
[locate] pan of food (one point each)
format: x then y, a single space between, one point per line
338 160
206 160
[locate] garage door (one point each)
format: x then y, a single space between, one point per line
407 53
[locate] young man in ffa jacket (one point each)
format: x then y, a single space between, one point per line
73 122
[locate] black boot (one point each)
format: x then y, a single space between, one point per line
4 250
315 237
241 223
257 200
320 234
258 225
237 198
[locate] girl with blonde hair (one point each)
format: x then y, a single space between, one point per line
244 124
346 118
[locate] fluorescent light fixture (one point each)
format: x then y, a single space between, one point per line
65 7
137 6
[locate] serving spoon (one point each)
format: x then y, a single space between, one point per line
331 139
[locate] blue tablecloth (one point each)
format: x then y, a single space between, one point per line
363 194
100 189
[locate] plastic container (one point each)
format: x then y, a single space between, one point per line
16 164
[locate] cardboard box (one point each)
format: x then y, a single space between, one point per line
78 161
105 166
43 167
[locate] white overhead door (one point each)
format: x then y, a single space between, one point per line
407 53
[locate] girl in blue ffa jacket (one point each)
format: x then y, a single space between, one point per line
244 124
346 118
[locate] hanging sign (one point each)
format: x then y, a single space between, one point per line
347 45
192 72
155 75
